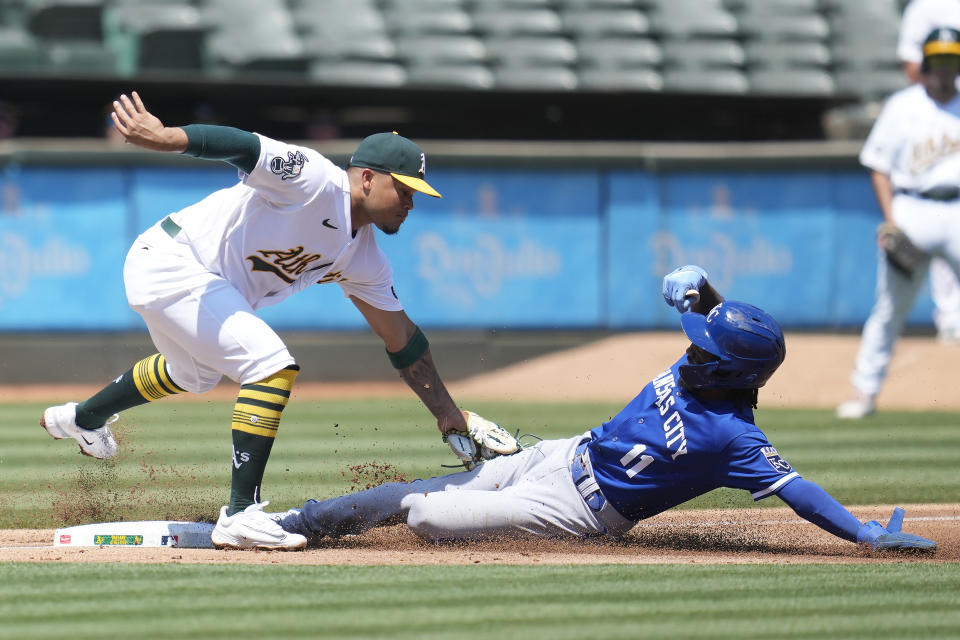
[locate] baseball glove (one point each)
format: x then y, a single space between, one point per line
902 254
483 440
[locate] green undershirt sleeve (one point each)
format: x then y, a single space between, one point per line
213 142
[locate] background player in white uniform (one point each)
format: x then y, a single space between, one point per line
913 152
691 430
198 276
920 18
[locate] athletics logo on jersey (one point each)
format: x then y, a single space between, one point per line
776 460
289 168
286 264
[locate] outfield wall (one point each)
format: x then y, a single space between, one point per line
568 240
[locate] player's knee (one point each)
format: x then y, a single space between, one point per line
419 518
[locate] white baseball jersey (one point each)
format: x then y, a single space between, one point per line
915 141
285 226
919 19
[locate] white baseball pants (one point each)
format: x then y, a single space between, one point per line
199 321
935 228
529 492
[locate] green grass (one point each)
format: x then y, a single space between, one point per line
485 601
175 460
176 464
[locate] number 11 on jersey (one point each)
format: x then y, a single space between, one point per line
631 455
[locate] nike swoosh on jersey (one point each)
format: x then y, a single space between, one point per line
260 264
326 223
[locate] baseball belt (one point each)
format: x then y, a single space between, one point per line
940 194
581 471
171 227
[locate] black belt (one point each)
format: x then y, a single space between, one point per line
171 227
940 194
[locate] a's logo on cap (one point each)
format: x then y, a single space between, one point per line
946 35
423 164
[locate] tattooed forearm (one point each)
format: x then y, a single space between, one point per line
423 378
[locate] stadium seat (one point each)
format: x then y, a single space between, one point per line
371 47
599 4
80 57
884 9
866 54
779 7
791 81
417 6
156 36
529 51
870 84
865 30
619 52
266 45
339 23
441 21
444 49
597 23
510 4
65 19
358 74
687 20
610 79
730 81
702 53
517 22
19 50
535 78
777 55
463 76
784 27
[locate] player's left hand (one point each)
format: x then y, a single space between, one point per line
878 537
483 440
680 282
140 127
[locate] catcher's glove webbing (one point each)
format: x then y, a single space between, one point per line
901 253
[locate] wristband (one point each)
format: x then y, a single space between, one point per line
416 347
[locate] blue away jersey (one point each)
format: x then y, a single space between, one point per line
667 447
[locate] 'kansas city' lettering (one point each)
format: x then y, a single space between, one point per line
673 431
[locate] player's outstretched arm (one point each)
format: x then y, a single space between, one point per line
471 437
813 503
142 128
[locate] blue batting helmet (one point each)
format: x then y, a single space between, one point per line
747 342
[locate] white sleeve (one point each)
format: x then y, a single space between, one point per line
882 145
914 28
377 290
289 175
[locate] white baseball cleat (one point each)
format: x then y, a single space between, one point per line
253 528
61 422
860 407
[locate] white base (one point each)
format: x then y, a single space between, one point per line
149 533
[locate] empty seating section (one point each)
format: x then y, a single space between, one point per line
784 47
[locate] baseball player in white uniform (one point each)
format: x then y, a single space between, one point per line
689 431
920 17
198 276
913 152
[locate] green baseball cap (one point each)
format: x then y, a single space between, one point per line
400 157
